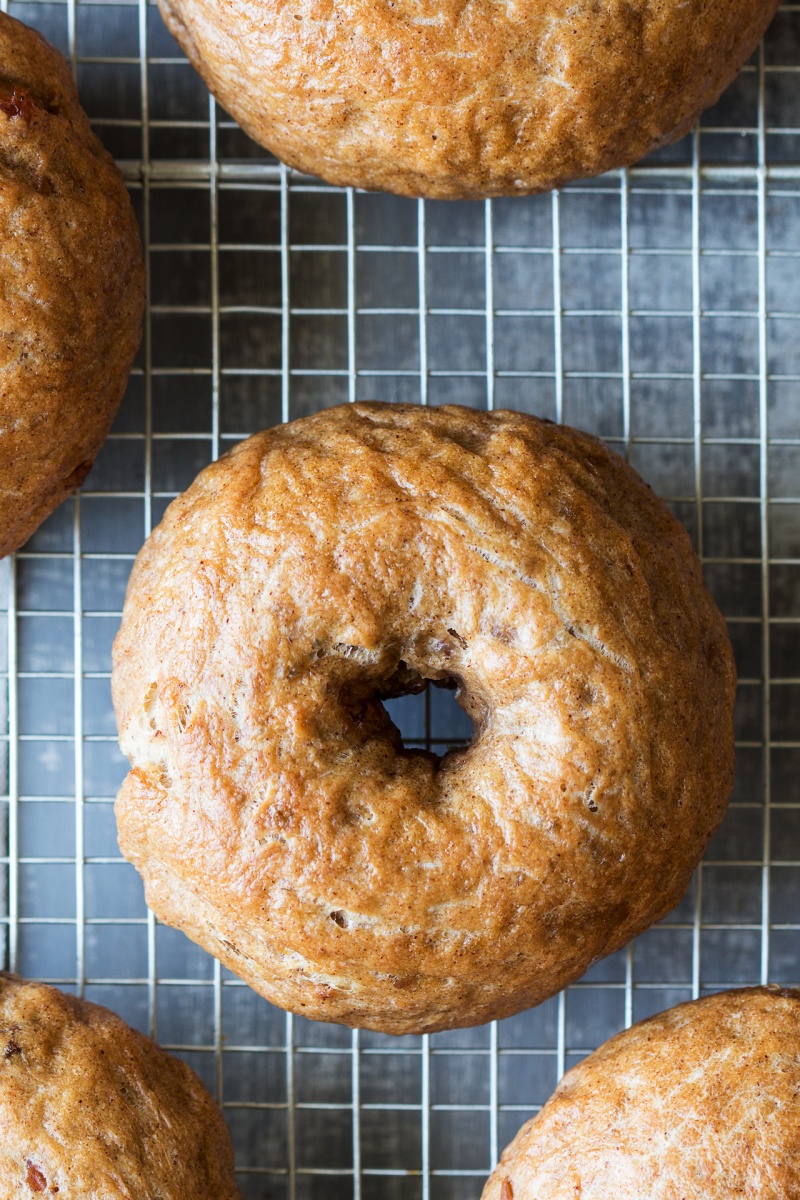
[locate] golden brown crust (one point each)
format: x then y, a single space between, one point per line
698 1103
71 285
270 807
469 98
91 1110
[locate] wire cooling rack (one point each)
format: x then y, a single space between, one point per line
659 308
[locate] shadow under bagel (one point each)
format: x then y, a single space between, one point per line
324 566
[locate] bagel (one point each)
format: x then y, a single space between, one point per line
91 1110
328 564
444 98
71 285
698 1103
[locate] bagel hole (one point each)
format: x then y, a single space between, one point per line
415 712
432 718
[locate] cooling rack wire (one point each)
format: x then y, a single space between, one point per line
657 307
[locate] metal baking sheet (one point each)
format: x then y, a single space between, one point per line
658 308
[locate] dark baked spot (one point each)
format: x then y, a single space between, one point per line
34 1178
356 814
12 1047
17 104
506 1190
461 641
404 681
339 918
76 477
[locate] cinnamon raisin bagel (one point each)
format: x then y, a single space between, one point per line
71 285
448 98
698 1103
91 1110
348 557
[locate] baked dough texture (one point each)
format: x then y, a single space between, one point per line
466 98
71 285
91 1110
347 557
698 1103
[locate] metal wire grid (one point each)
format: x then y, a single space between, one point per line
658 307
